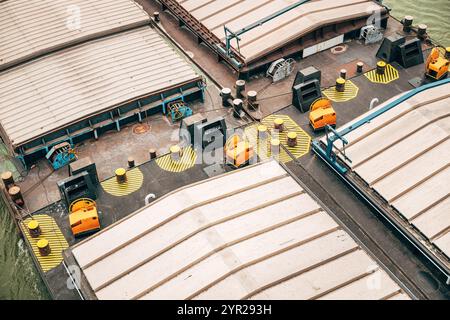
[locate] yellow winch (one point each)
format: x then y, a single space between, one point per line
83 217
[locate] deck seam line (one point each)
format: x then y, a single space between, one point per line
200 6
236 17
418 183
408 161
181 212
346 283
233 243
196 232
300 272
418 214
440 234
393 294
357 164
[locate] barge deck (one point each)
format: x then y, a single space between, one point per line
402 260
215 239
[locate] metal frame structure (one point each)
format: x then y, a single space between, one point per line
383 213
332 136
328 153
368 195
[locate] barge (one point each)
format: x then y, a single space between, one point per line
107 90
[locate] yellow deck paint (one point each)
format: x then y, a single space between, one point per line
350 92
390 74
262 148
186 161
135 178
50 234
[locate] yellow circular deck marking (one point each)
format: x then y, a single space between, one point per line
290 126
186 161
350 92
51 233
390 74
135 178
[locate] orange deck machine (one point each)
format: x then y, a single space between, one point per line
322 114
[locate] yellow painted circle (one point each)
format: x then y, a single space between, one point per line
135 179
278 121
53 236
292 135
381 64
340 81
447 49
350 92
175 149
120 172
41 244
262 128
33 224
186 161
275 142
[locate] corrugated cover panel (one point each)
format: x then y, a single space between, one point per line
404 154
237 14
31 28
64 87
250 234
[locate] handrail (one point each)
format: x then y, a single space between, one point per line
391 105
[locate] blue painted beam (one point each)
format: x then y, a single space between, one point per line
391 105
328 153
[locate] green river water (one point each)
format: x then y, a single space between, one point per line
18 276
